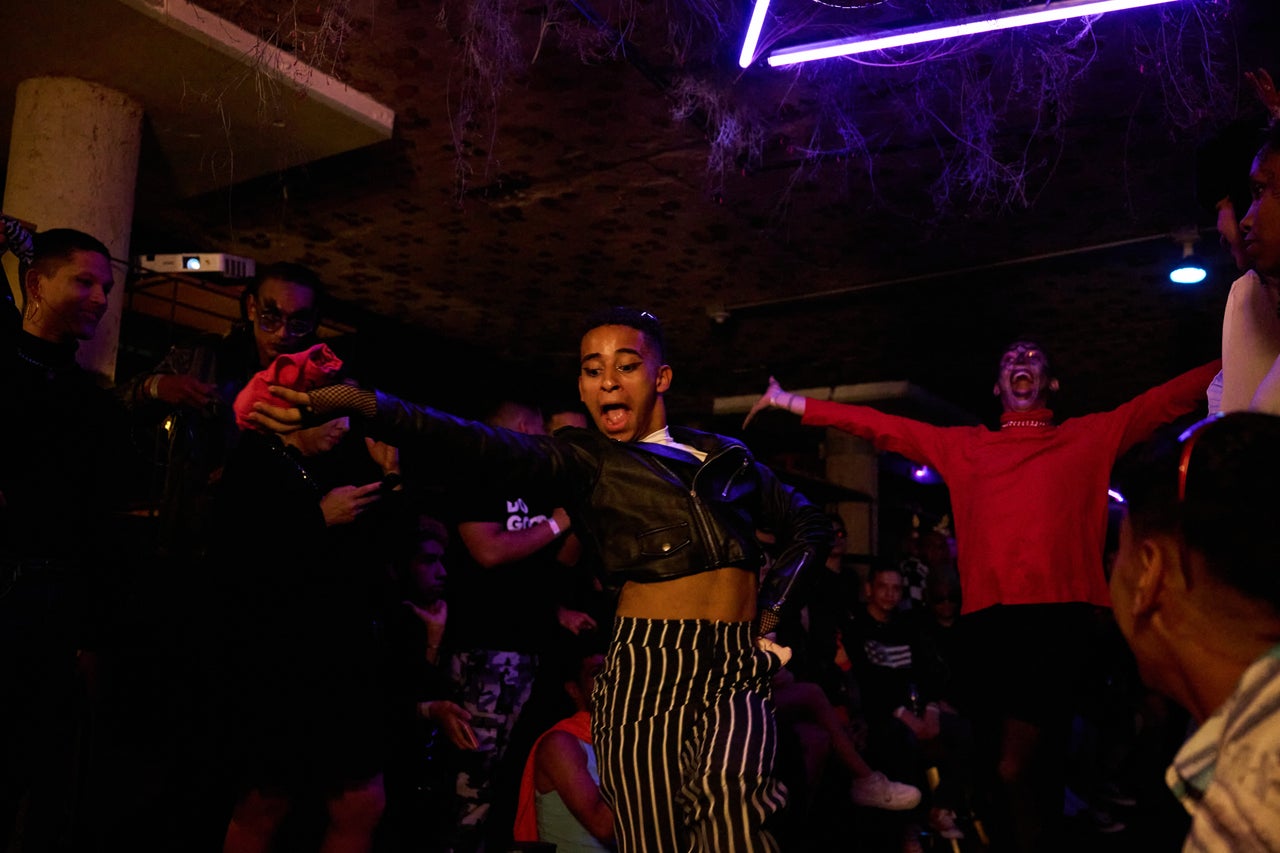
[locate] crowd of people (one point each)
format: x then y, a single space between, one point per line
579 627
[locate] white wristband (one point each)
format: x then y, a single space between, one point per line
783 400
555 528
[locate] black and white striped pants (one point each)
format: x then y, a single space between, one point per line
684 733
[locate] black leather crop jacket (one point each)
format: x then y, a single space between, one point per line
651 512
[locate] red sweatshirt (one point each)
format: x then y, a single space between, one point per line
1030 501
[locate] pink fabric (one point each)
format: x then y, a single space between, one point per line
301 371
1030 502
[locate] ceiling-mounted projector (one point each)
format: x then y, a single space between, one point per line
228 266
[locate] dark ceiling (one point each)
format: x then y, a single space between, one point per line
894 219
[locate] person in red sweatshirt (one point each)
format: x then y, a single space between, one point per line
1030 506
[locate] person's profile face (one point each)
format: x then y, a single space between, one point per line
428 570
585 684
1261 224
69 304
284 318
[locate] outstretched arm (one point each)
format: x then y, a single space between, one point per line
775 398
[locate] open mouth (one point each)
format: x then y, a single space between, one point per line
613 417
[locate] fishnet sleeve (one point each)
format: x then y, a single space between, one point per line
337 400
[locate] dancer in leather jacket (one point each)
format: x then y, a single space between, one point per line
683 725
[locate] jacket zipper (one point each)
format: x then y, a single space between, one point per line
699 511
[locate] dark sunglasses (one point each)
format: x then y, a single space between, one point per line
295 325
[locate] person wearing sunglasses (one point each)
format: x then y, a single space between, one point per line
187 396
184 431
1030 507
1196 595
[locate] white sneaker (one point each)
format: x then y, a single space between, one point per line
877 791
943 822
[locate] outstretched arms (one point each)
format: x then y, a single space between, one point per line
308 408
775 398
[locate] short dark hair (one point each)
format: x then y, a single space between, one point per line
285 271
428 528
642 321
53 248
1026 339
1231 502
880 567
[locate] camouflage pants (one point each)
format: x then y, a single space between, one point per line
493 686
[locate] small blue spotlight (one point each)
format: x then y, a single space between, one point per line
1190 269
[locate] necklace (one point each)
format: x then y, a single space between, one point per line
283 451
50 371
1025 423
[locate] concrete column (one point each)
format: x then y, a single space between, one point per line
854 463
73 163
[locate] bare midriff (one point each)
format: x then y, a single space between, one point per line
720 595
